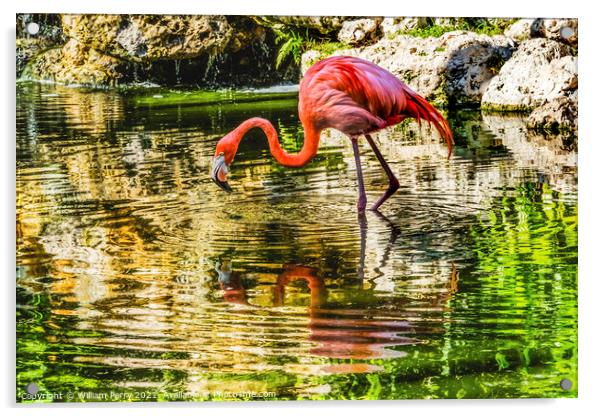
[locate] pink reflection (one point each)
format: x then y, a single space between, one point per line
343 333
336 337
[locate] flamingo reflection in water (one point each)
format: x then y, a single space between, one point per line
342 332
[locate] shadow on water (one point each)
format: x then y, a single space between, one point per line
136 274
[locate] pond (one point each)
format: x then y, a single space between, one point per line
138 279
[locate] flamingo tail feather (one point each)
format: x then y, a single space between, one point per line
420 109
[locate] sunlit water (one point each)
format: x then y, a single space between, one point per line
139 279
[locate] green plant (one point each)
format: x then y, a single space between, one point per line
295 43
293 46
481 26
325 47
492 26
433 31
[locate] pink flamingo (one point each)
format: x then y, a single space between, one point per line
351 95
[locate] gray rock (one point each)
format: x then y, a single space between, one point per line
524 29
355 32
50 36
555 115
322 24
309 58
561 30
540 70
447 21
392 26
132 40
455 67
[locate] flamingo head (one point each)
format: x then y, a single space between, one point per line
224 154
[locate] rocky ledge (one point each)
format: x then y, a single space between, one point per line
541 78
499 65
530 67
452 69
110 50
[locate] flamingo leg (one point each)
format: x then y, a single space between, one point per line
363 223
393 182
361 202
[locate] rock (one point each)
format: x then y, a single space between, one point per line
446 21
50 36
562 30
245 33
463 22
27 48
540 70
523 29
355 32
557 115
452 69
498 21
393 26
309 58
154 37
114 49
74 64
131 39
95 31
322 24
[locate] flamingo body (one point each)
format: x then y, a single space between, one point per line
357 97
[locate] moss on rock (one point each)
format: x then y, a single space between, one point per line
75 64
505 108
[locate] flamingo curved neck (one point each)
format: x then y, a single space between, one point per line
307 152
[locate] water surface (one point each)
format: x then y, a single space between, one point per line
138 279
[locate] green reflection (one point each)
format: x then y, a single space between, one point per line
466 287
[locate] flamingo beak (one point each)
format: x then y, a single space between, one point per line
219 173
224 273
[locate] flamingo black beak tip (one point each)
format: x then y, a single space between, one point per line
224 185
